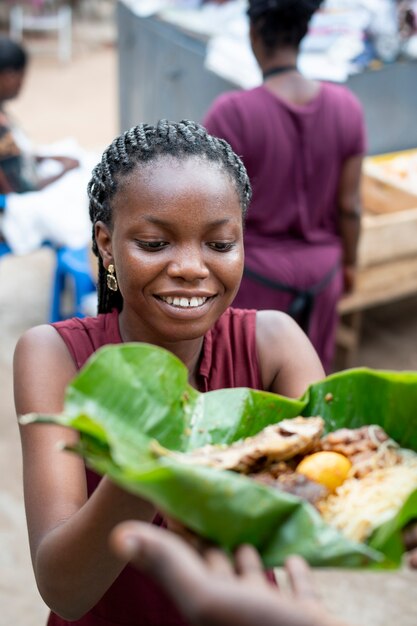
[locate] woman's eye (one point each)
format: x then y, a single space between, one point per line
221 246
151 245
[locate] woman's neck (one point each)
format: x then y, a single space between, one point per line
283 79
187 350
283 58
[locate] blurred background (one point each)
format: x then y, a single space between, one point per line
98 67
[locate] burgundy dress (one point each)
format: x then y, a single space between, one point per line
229 359
294 156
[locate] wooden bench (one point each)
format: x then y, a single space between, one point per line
387 252
376 285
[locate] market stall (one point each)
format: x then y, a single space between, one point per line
185 56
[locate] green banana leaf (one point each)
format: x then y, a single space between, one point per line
128 397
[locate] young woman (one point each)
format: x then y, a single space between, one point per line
302 143
167 204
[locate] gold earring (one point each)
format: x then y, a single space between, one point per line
111 279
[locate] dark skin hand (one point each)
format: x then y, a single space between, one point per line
4 184
67 163
211 590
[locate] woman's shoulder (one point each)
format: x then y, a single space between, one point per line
83 336
274 327
287 359
39 354
265 325
37 336
232 100
340 94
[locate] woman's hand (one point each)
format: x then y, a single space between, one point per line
349 278
212 590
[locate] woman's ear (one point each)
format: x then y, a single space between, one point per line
103 239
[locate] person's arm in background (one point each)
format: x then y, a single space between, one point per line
211 590
7 147
10 149
349 215
5 186
353 144
67 164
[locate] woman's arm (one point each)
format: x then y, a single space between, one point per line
349 207
287 359
68 533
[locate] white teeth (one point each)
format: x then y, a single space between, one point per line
184 302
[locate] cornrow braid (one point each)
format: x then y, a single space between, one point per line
142 144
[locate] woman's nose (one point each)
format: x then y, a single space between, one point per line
188 263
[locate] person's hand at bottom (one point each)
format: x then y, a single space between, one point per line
210 590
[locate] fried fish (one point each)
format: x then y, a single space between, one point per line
277 442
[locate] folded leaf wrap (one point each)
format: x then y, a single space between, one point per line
128 395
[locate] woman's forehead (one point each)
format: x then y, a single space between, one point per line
182 165
168 176
169 188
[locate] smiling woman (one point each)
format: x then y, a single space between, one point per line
176 244
167 204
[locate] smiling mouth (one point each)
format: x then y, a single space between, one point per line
182 302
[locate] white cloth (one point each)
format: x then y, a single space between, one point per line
58 213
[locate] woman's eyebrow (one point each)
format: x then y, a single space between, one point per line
167 223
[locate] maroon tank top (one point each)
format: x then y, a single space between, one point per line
229 359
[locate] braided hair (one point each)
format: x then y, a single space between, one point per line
142 144
282 23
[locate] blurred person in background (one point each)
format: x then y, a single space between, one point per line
302 142
18 164
44 196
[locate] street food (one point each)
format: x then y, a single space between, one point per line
325 467
278 442
356 478
359 506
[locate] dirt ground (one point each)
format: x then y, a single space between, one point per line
80 100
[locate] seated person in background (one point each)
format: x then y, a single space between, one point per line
302 143
46 197
18 166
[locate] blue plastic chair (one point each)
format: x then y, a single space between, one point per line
4 249
72 265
